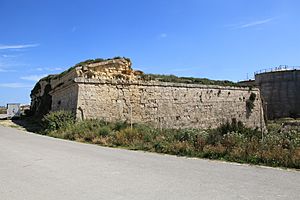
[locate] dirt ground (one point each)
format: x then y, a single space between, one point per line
10 123
21 124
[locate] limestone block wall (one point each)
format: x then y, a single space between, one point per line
166 105
58 92
111 90
65 98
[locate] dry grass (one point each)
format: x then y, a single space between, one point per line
10 123
233 142
2 110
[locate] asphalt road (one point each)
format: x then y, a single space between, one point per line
39 167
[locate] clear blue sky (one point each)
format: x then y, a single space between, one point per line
217 39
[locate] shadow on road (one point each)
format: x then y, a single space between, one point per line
28 123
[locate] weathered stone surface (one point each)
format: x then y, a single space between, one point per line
112 91
110 69
41 101
167 105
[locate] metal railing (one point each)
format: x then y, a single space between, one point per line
276 69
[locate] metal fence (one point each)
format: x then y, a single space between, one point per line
279 68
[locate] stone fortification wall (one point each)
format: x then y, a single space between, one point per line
281 93
167 105
112 90
65 98
40 99
56 92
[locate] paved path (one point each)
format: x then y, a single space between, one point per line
38 167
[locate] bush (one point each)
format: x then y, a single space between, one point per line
214 151
57 120
127 137
231 141
104 131
186 135
120 125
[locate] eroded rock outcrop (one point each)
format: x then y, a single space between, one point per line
108 69
41 100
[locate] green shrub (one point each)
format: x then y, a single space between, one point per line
120 125
127 137
180 148
214 151
231 141
104 131
200 140
185 135
57 120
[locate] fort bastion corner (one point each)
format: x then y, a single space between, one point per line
111 90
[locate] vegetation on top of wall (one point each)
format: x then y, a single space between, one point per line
97 60
83 63
149 77
87 62
231 141
191 80
49 77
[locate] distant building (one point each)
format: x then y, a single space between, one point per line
13 110
280 91
24 107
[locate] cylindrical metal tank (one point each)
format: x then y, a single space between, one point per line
280 91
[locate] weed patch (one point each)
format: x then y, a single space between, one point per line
231 141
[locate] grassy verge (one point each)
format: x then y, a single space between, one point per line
231 142
2 110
